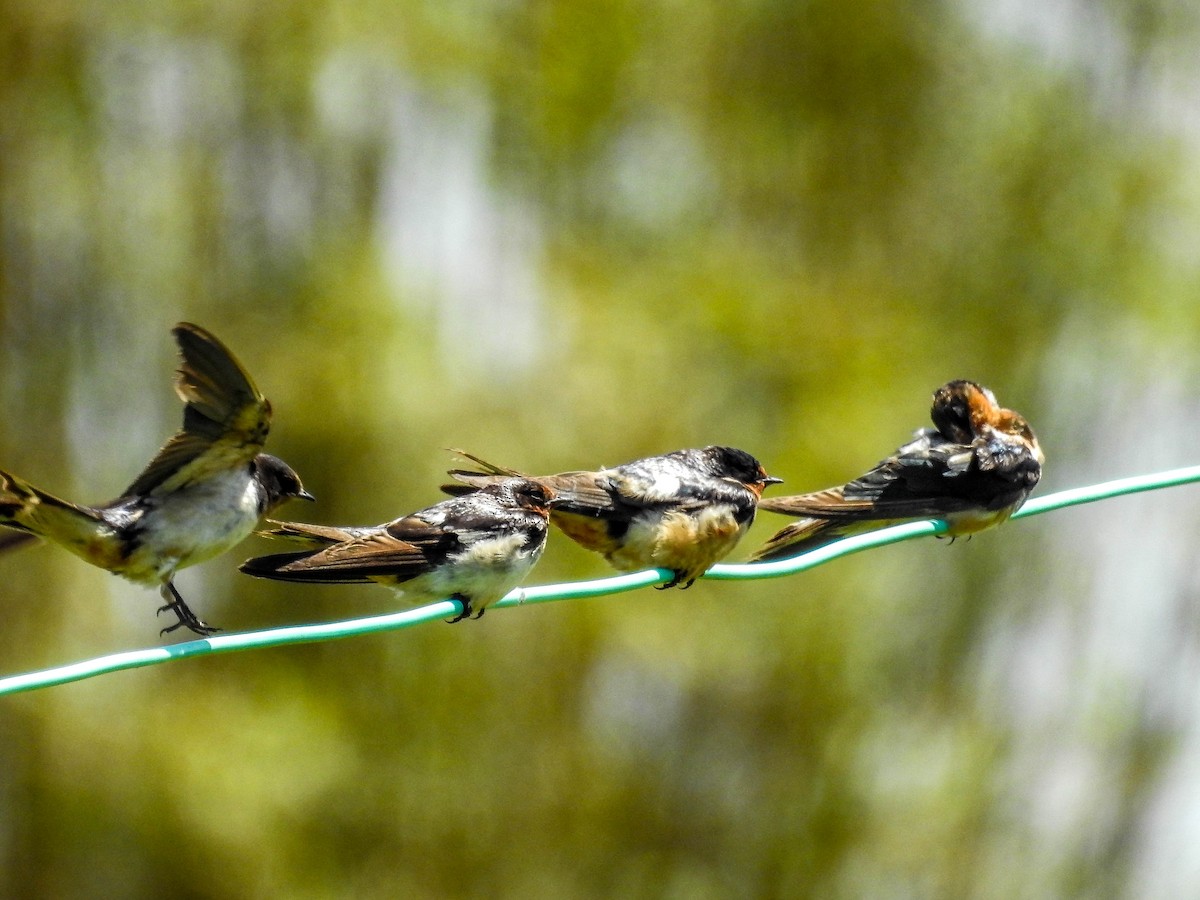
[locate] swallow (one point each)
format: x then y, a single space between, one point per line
204 491
973 470
474 549
682 511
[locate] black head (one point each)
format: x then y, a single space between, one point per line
730 462
280 483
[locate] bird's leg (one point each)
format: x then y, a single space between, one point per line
466 608
186 617
678 577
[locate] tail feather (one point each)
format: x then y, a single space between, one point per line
276 567
12 539
489 468
15 496
799 537
470 481
33 510
313 536
579 493
37 513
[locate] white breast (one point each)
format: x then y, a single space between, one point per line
195 524
484 572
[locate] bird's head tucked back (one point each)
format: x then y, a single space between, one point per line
961 408
967 413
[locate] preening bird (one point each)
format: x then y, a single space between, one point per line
974 469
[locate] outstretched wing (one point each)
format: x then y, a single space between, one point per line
225 417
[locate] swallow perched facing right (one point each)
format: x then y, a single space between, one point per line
474 549
974 470
202 493
681 511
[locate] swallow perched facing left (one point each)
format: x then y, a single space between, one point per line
203 492
474 549
973 470
681 511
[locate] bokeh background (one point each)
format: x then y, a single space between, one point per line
566 234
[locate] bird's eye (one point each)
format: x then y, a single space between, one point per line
537 494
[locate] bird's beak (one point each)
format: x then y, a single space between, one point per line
305 495
771 479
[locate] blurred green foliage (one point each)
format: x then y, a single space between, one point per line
564 235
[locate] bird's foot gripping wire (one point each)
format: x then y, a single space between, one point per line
467 609
676 581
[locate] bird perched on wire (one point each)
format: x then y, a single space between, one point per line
474 549
681 511
203 492
973 470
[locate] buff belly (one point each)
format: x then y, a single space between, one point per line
686 543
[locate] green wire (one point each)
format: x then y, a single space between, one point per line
303 634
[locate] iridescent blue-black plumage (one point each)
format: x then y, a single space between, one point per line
974 470
474 548
681 511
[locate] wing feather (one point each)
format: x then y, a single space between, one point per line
396 552
225 417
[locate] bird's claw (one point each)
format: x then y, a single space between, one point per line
675 582
467 609
187 618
